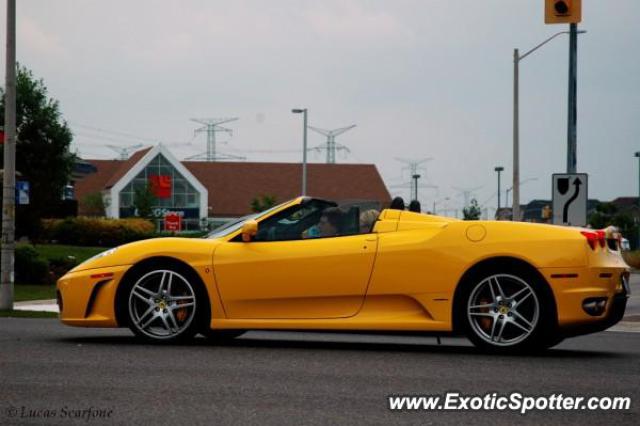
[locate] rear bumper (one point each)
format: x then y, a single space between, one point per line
574 288
614 314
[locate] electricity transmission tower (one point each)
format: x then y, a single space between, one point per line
415 167
467 193
331 146
125 151
211 126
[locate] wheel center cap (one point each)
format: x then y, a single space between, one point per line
504 310
162 304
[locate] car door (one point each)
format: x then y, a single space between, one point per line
283 276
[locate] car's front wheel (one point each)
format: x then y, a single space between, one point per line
506 312
163 305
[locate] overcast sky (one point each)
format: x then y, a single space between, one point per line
419 78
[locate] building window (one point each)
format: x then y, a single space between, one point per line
178 194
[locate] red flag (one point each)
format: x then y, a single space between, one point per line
161 185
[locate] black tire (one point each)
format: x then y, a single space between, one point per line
498 325
170 317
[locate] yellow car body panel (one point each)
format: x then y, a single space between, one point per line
402 276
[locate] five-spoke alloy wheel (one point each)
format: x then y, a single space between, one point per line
506 312
162 305
503 310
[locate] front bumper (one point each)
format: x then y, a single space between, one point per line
87 298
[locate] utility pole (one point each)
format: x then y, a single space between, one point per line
331 146
499 169
515 210
572 132
304 113
9 172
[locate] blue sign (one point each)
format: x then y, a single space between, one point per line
22 192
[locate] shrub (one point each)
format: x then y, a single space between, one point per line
59 266
88 231
30 267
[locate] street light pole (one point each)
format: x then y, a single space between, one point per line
572 115
516 117
304 148
9 172
638 155
499 169
515 210
415 185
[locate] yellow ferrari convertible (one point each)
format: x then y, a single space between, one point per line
310 264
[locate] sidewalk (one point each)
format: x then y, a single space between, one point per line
37 305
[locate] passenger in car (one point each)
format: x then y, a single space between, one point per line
414 206
367 218
330 222
397 204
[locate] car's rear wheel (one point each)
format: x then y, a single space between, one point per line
506 312
163 305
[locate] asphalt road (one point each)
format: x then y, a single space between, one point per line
293 378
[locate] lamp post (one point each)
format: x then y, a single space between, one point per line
499 169
516 119
415 185
637 154
303 111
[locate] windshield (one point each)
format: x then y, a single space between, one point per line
236 224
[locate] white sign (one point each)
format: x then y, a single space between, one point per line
570 199
22 192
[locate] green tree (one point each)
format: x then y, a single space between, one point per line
607 214
262 203
143 201
94 204
43 157
472 212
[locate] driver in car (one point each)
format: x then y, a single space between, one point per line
328 226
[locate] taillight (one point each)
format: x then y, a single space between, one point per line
595 238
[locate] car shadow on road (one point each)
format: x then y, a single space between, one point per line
458 346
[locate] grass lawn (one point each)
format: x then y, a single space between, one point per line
33 292
27 314
56 251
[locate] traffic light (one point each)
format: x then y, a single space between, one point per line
562 11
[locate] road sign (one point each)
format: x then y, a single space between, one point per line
172 222
570 199
562 11
22 192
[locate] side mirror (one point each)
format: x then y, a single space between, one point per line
249 230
